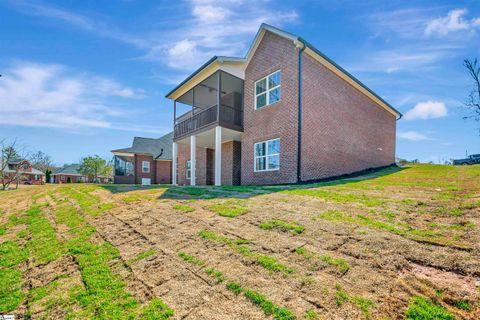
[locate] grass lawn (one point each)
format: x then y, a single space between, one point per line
399 243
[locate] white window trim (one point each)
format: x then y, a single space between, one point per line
146 167
62 178
265 156
187 171
267 90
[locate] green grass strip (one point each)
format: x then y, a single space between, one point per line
228 210
183 208
282 225
191 259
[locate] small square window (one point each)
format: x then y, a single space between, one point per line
267 90
267 155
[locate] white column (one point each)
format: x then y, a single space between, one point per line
193 149
174 163
218 156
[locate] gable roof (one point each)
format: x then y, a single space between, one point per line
308 49
17 161
69 170
160 149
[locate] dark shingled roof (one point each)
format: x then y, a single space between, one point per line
69 170
160 148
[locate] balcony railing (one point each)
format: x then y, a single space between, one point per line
228 117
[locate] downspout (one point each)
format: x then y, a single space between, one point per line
301 45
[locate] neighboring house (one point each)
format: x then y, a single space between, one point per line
70 174
25 172
147 161
283 114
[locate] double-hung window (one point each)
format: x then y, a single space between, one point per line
267 155
146 166
267 90
189 169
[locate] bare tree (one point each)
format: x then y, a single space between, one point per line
473 101
12 164
41 161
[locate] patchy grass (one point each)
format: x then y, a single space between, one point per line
342 265
141 256
462 305
327 195
229 209
11 294
43 245
216 274
156 310
282 225
423 309
191 259
268 262
341 297
183 208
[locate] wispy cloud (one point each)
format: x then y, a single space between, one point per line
427 110
453 22
54 96
413 136
207 28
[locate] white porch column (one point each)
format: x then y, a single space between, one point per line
218 156
193 149
174 163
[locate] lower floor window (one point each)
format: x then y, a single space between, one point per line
267 155
189 169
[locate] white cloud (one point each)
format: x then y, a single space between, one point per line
49 95
427 110
454 21
413 136
207 28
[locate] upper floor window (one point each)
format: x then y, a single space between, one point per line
267 155
146 166
267 90
189 169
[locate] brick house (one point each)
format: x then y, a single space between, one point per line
70 174
147 161
23 171
285 113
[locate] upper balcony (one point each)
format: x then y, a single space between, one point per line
203 101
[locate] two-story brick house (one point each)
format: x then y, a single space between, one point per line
283 114
147 161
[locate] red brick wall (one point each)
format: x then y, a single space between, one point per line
163 172
278 120
201 165
58 178
231 163
139 175
342 130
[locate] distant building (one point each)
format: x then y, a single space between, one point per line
147 161
26 173
70 174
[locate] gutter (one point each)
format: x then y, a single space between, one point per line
299 44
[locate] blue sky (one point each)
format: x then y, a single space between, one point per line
84 77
